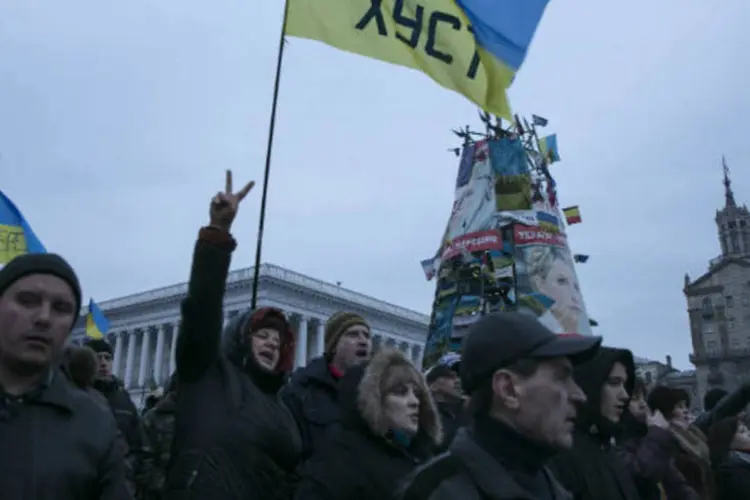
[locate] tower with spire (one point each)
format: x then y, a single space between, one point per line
733 222
719 301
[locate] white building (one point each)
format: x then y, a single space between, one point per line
144 325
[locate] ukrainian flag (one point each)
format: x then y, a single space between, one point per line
474 47
548 148
16 236
97 323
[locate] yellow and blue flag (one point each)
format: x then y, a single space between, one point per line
474 47
548 148
16 236
97 323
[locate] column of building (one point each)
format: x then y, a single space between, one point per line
310 342
153 358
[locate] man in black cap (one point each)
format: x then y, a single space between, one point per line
139 458
519 377
57 442
445 387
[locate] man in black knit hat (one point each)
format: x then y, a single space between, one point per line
312 393
140 458
58 443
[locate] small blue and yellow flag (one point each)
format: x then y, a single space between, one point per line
16 236
474 47
548 148
97 323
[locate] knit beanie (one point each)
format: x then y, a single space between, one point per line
337 325
41 263
99 345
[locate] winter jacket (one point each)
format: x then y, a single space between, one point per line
592 470
234 437
452 417
733 477
312 396
158 423
58 443
139 458
126 414
363 460
486 461
693 460
648 455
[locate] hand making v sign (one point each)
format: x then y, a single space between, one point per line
225 204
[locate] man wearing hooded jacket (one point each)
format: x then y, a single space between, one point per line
234 439
58 443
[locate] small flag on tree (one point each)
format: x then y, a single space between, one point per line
539 121
572 215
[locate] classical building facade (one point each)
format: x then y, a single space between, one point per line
144 326
719 302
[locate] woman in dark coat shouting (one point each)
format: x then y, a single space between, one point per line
234 438
389 425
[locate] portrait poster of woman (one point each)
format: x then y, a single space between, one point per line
544 266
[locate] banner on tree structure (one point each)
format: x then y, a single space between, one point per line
546 280
503 248
493 178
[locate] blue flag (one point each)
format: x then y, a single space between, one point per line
16 236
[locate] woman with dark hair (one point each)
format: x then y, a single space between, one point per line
692 457
729 441
234 438
646 446
593 469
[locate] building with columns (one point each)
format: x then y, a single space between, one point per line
719 302
144 326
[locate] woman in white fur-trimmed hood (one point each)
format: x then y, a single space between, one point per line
389 426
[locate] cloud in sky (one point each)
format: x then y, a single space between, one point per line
118 119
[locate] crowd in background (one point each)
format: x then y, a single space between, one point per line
521 414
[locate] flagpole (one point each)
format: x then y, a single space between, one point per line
269 150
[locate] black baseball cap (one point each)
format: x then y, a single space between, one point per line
439 371
498 340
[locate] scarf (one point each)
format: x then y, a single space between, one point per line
694 460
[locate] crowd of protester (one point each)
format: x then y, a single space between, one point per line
522 414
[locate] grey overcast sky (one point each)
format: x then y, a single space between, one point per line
117 120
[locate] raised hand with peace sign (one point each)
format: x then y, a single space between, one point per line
225 204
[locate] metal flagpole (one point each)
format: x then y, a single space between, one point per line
269 150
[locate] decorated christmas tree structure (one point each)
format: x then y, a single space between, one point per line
505 246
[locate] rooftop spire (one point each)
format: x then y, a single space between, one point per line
728 194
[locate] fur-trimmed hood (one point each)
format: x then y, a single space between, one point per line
361 395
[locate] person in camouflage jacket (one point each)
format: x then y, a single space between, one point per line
158 423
